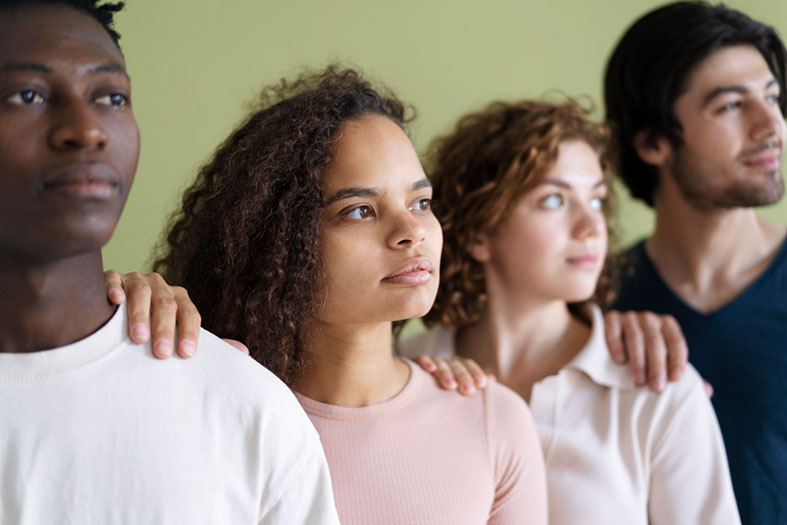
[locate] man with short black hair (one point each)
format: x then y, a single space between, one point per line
92 428
696 96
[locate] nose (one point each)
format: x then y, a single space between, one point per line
406 231
588 223
768 122
76 126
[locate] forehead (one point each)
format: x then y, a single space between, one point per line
741 65
372 151
54 35
576 162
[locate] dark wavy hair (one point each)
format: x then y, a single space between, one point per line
246 240
650 66
104 13
478 173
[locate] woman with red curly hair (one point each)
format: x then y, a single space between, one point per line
306 236
521 192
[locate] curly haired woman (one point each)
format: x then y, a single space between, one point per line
520 192
308 234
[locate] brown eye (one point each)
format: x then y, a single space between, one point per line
28 97
360 212
116 100
422 205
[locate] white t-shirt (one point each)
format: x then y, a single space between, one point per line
618 453
101 432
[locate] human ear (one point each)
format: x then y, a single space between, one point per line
652 148
479 248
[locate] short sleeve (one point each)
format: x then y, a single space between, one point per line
517 460
308 497
690 479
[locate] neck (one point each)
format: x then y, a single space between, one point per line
708 256
522 340
353 366
52 304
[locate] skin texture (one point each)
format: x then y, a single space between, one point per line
167 308
709 244
68 152
732 142
371 235
380 244
557 229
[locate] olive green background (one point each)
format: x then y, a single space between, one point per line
196 65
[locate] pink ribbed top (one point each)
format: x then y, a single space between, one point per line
433 456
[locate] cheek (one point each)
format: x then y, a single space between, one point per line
533 237
125 145
434 240
716 141
346 258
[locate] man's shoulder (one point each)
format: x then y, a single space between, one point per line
225 368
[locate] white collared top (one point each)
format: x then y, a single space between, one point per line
618 453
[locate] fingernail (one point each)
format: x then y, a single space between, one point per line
480 380
163 348
676 374
450 383
140 332
116 295
187 347
659 383
640 378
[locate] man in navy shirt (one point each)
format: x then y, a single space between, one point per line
696 97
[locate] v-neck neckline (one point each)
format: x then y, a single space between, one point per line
729 305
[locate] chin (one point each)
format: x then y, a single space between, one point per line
415 305
579 293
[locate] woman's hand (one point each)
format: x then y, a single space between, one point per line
150 297
456 373
167 307
652 344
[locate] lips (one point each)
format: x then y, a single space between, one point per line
417 270
82 181
585 260
769 159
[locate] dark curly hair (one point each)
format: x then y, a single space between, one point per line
104 13
478 173
246 240
650 67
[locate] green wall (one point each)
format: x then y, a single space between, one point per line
197 64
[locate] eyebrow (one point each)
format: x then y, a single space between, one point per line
25 66
110 68
421 184
740 90
14 66
349 193
562 184
364 191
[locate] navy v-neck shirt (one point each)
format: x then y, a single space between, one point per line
741 349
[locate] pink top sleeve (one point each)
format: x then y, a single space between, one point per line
520 495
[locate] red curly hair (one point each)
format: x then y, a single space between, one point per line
479 171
